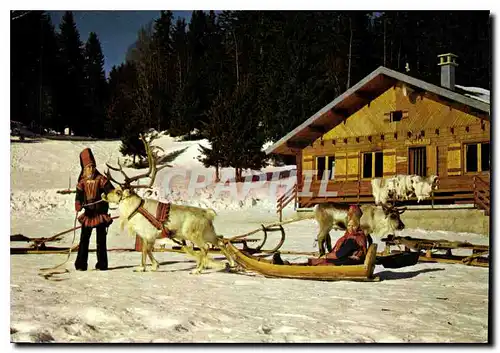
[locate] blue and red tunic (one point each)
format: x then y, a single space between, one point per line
89 191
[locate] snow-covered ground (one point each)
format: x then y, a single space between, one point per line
422 303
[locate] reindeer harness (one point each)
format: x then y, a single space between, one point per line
162 213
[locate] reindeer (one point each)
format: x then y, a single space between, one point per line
178 222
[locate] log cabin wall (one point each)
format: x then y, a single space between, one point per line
441 127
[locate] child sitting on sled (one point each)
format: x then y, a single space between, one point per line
350 249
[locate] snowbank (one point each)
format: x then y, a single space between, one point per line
480 94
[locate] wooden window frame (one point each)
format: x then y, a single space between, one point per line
332 176
464 157
362 169
315 166
404 115
392 116
408 157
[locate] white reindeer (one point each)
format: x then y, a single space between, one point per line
183 223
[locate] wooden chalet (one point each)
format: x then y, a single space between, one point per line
390 123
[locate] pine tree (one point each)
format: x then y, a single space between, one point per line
71 100
96 86
33 49
193 104
235 133
131 144
121 106
164 87
148 72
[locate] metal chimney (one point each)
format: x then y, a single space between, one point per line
448 64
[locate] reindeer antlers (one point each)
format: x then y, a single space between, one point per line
392 207
151 173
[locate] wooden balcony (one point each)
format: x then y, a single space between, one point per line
451 190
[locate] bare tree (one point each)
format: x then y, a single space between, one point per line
349 55
15 15
145 57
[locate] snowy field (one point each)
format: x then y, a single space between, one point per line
432 303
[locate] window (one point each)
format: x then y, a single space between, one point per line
373 165
417 161
379 164
325 163
320 167
396 116
367 165
477 157
485 157
471 158
331 165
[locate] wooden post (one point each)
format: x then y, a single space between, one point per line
474 190
296 188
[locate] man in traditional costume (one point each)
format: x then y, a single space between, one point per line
91 184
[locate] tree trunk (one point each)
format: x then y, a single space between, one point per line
349 57
237 66
217 173
180 68
238 173
399 53
385 22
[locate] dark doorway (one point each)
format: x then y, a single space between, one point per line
417 161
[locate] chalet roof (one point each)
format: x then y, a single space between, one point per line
358 96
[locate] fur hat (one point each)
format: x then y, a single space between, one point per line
86 158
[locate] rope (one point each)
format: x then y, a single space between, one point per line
51 269
48 275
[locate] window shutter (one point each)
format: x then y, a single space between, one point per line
340 165
455 159
353 166
307 162
389 157
432 160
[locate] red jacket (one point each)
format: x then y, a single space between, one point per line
358 236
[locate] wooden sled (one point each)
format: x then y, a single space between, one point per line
39 244
362 272
55 250
428 250
42 250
